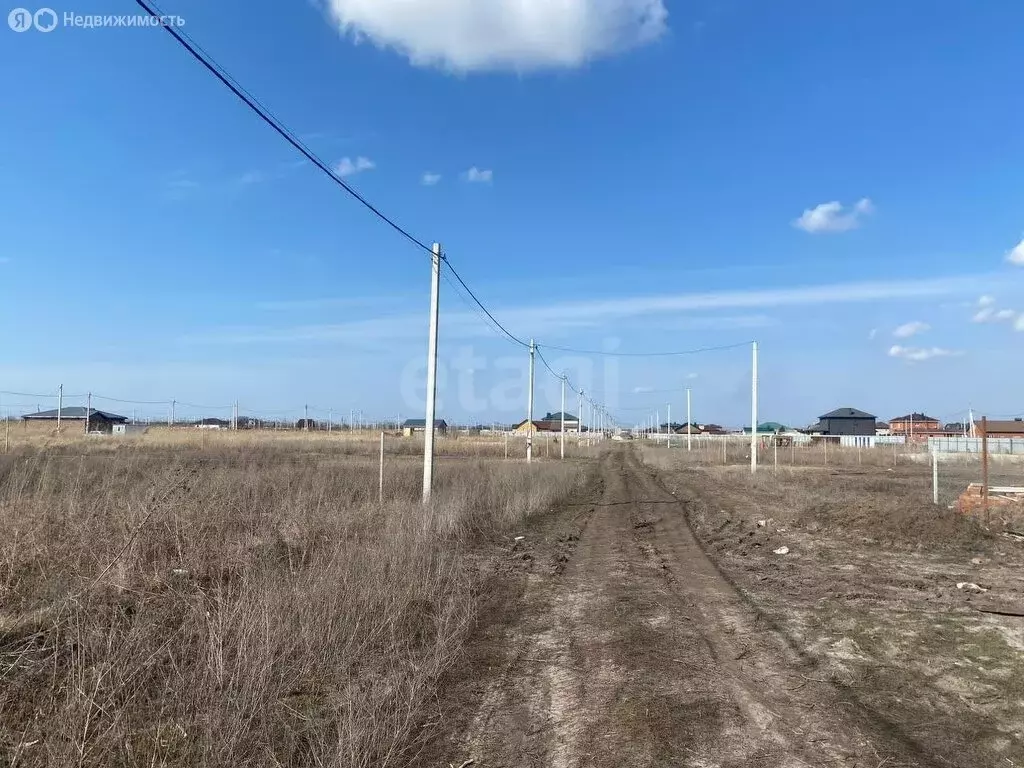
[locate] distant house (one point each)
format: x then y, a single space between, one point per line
1014 428
552 422
709 429
956 428
915 424
213 424
97 421
768 428
572 423
412 426
844 421
882 429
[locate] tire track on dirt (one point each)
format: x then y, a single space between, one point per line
641 653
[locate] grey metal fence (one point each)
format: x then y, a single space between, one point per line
1001 445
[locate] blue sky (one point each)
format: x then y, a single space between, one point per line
624 175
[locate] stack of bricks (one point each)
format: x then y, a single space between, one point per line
1005 508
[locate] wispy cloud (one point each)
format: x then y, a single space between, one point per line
251 177
833 217
180 185
513 35
987 312
349 167
692 376
907 330
1019 325
288 305
430 179
642 390
479 176
920 354
695 309
872 333
1016 255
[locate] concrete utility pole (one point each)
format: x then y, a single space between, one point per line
88 412
529 408
60 405
234 415
669 418
330 420
753 416
561 441
428 431
305 417
173 403
579 420
689 421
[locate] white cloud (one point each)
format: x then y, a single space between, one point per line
833 217
348 167
251 177
987 312
907 330
1016 256
430 179
478 176
695 308
872 333
1019 325
517 35
919 354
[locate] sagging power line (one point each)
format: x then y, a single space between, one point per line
438 259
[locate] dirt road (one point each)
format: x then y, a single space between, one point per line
627 647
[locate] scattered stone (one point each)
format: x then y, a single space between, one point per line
977 560
970 586
781 551
179 572
762 523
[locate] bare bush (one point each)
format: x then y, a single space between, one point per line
238 606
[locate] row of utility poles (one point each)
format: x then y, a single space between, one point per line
653 423
598 414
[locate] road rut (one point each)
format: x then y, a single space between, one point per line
635 650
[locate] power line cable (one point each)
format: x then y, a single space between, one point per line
473 296
37 394
264 114
261 111
129 402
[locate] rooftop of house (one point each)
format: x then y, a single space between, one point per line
75 412
1011 427
915 418
422 423
847 413
557 417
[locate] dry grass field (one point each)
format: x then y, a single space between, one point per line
240 602
362 442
